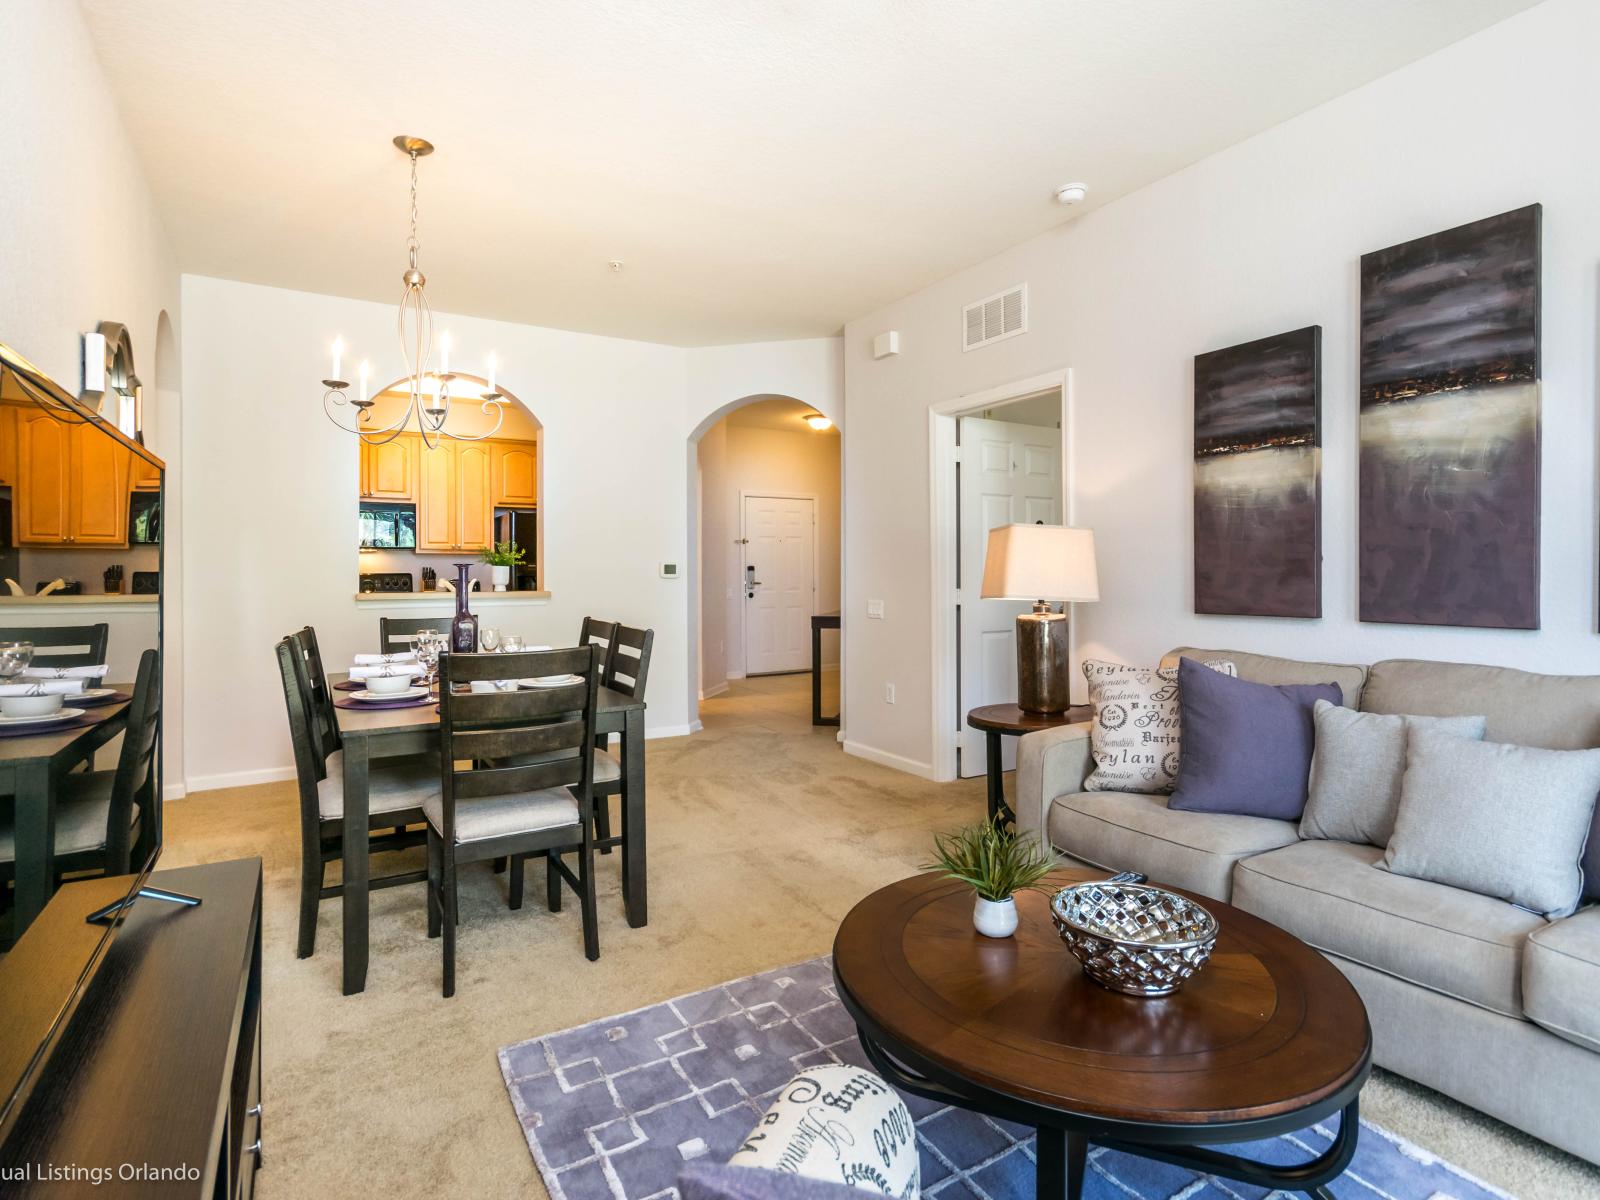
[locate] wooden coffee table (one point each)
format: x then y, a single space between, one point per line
1267 1039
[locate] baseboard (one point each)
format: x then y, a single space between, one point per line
715 690
884 759
735 674
233 779
174 791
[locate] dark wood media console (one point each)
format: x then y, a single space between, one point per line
156 1077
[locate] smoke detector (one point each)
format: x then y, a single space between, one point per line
1072 193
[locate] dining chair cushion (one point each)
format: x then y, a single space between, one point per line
81 809
392 784
486 817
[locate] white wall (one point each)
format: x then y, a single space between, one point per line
271 493
1260 238
751 459
81 241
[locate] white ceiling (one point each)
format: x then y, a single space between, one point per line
765 170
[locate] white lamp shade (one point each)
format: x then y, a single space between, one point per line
1040 562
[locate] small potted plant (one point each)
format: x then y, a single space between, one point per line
501 557
996 864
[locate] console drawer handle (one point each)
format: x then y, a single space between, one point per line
255 1149
254 1111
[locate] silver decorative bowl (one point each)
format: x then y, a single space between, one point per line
1132 937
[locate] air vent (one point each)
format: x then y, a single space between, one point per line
1000 316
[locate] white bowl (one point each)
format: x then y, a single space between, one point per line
387 685
30 706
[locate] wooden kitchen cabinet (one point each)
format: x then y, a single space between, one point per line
389 471
144 476
516 466
8 445
97 490
39 496
455 505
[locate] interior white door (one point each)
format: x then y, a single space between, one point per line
779 583
1009 473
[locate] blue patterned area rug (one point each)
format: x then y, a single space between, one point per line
613 1109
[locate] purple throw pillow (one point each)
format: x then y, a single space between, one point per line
1246 746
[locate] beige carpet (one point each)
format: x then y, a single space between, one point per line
762 834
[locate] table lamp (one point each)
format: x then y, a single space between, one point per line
1042 563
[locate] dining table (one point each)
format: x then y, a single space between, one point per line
31 768
372 734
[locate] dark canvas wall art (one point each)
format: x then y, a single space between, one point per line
1449 526
1257 477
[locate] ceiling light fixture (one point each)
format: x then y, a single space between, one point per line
818 422
428 391
1072 193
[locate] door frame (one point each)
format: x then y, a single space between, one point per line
942 527
744 551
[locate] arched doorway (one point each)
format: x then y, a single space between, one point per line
765 531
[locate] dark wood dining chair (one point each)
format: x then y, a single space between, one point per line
394 633
627 669
397 789
63 645
515 781
599 633
102 815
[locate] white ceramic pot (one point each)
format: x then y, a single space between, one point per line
501 576
995 918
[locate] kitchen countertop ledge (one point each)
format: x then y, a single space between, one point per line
54 599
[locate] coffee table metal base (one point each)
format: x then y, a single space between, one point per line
1061 1149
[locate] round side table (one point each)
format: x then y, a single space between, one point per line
1007 720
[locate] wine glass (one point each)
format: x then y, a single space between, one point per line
15 657
427 645
489 638
513 643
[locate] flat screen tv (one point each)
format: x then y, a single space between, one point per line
72 476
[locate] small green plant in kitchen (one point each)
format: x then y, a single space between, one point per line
996 864
504 554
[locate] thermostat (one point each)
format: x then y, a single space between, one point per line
669 570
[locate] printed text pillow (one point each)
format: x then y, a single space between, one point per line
1136 725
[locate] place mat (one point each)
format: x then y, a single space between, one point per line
44 728
612 1109
97 701
358 705
349 685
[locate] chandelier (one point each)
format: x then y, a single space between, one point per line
430 394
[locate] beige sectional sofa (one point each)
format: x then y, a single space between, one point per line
1481 1000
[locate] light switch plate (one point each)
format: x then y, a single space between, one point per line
669 570
875 610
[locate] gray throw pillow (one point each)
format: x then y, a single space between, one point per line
1500 820
1356 770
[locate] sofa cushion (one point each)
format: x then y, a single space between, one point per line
1357 769
1246 746
1556 712
1124 831
1561 977
1331 895
1264 668
1507 821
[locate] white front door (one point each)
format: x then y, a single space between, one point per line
1009 473
780 535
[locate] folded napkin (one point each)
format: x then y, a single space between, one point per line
36 672
43 687
494 685
372 660
410 669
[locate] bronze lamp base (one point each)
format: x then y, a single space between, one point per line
1044 664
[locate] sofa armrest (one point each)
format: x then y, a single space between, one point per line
1050 763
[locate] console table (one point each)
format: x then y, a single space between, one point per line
819 622
159 1067
1009 720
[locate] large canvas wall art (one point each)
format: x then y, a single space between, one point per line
1450 427
1257 477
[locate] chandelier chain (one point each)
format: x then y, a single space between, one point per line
412 244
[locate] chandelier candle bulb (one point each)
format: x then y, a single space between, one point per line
363 379
492 365
444 355
338 353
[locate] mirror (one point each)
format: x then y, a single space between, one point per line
80 678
